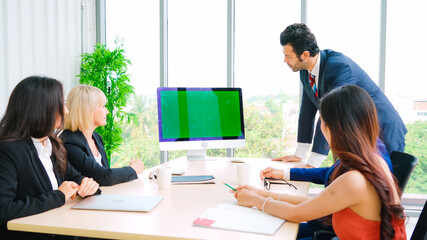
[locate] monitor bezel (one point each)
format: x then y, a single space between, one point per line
159 114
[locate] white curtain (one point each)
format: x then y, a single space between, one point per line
43 37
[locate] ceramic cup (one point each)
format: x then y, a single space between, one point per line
164 177
243 173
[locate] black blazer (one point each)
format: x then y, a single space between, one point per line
25 188
81 157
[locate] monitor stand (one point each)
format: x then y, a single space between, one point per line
196 154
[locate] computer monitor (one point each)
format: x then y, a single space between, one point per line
196 119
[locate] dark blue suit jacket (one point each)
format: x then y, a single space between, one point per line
322 175
337 70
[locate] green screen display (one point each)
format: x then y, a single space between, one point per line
201 114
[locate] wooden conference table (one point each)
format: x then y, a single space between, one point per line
173 217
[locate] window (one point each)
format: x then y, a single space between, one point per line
350 27
406 82
197 43
198 58
137 24
270 88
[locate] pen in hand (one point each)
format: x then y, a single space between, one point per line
229 186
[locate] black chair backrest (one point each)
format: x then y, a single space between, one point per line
403 166
420 229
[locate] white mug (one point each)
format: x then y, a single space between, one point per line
243 173
164 177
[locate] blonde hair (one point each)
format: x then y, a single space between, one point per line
81 102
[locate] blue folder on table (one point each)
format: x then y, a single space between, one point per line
193 179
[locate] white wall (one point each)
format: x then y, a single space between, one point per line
43 37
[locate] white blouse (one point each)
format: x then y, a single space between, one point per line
44 153
98 159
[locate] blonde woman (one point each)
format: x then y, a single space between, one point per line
85 148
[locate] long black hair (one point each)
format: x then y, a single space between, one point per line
34 107
350 114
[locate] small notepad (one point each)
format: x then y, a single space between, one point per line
193 179
231 216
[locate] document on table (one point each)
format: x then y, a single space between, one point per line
231 216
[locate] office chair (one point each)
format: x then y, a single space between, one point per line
420 230
403 166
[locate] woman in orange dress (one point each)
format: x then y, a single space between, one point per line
363 197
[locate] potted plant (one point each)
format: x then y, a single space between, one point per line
107 70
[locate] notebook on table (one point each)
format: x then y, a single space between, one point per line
231 216
193 179
132 203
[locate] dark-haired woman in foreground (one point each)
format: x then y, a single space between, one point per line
363 197
34 174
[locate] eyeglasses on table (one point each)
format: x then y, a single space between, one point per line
268 181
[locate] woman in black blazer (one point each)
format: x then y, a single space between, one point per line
85 148
34 174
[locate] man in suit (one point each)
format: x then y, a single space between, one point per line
320 72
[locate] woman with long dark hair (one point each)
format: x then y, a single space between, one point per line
363 197
34 174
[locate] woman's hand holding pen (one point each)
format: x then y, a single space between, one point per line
256 190
245 196
248 187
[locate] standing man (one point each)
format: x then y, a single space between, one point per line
320 72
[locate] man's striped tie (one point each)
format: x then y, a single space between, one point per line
313 83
